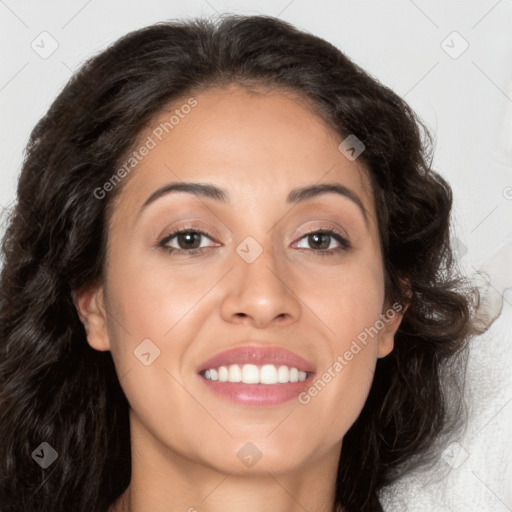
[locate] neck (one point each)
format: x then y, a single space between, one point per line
164 480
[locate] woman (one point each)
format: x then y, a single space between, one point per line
292 356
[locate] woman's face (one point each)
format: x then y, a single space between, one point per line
264 278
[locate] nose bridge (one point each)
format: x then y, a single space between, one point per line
261 262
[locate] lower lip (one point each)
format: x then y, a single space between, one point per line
262 395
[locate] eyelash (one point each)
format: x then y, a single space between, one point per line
344 243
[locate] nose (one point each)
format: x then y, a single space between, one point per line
261 292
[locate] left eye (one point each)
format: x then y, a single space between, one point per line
319 238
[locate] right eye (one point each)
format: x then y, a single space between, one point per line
187 237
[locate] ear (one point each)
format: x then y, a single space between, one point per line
90 306
391 318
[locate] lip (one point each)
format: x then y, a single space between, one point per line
259 355
257 395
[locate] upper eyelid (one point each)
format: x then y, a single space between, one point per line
192 227
175 232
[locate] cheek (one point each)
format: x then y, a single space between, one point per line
151 326
351 309
339 391
155 315
153 300
349 302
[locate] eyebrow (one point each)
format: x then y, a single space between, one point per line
297 195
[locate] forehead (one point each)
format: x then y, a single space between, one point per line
258 145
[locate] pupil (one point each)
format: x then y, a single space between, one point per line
185 237
315 237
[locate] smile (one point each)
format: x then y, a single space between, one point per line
268 374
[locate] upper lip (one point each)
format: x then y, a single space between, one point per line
259 355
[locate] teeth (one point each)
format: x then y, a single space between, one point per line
268 374
252 374
234 373
223 374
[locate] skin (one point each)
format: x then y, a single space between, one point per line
258 147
